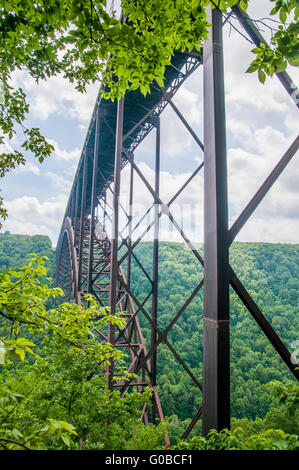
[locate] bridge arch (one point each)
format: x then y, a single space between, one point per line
67 263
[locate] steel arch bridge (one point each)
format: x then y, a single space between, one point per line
93 255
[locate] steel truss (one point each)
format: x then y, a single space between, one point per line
92 259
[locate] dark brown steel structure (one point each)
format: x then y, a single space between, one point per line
94 256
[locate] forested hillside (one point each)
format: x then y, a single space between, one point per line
15 248
271 274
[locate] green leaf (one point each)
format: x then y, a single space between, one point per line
282 66
294 62
274 11
282 16
20 353
65 440
252 68
24 342
262 76
244 4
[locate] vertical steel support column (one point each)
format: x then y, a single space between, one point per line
216 381
72 209
155 269
93 201
115 221
130 215
75 221
83 203
105 210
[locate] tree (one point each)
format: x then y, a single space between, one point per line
53 392
278 431
25 301
86 42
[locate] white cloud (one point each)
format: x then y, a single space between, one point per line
29 167
189 102
63 154
27 228
5 147
57 95
176 139
70 170
277 217
271 229
60 182
248 169
27 215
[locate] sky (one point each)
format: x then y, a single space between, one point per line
261 123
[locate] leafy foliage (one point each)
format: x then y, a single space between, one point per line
238 440
256 435
3 212
63 386
13 111
24 300
53 385
288 394
283 49
15 248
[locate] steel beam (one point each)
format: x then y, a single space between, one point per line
257 38
155 268
75 222
164 208
82 214
115 224
263 323
130 222
93 202
216 387
186 124
261 193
